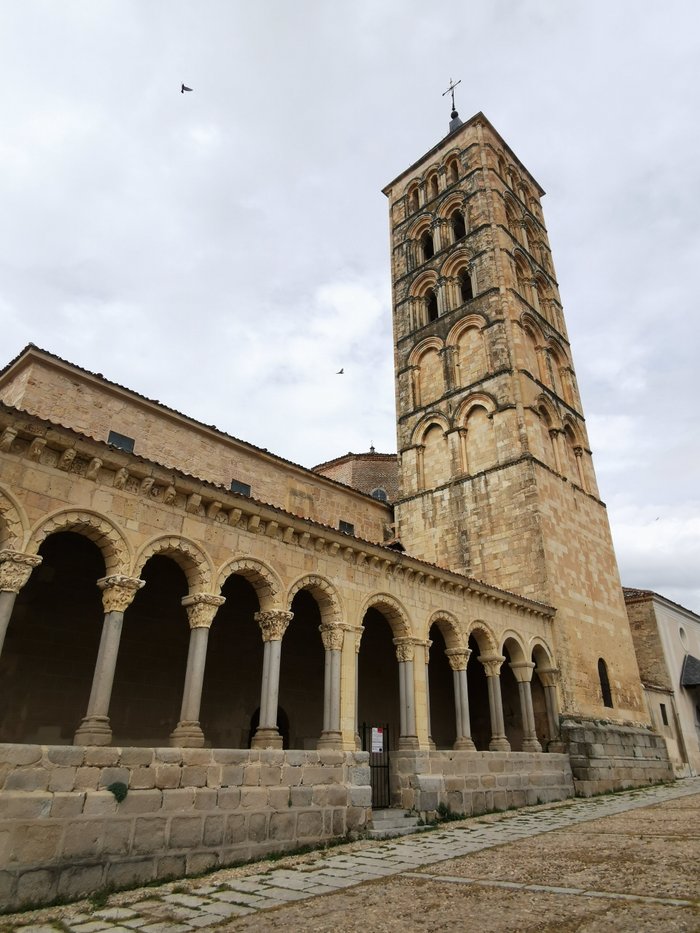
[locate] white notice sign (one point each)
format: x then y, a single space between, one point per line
377 739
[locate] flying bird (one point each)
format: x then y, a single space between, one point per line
340 372
183 88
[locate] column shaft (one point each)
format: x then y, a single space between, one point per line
527 715
499 742
7 602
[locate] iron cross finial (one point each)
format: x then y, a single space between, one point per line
451 90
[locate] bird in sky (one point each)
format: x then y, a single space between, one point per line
183 88
340 372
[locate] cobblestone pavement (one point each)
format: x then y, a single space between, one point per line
636 868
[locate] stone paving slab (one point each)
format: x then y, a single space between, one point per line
192 904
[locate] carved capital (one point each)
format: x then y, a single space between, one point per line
15 569
492 664
273 623
201 609
118 592
458 658
332 637
522 670
405 649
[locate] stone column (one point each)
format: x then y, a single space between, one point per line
358 640
431 740
15 570
549 676
273 624
331 737
492 667
201 609
523 674
458 658
404 655
118 593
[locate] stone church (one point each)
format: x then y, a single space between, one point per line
258 653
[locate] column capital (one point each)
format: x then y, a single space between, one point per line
405 649
118 591
549 676
201 609
273 623
15 569
492 664
522 670
332 637
458 658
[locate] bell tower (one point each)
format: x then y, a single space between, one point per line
496 475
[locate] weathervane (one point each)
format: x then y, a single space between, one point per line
451 90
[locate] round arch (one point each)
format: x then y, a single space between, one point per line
541 654
14 525
392 610
194 563
423 283
513 647
263 579
456 263
323 592
430 343
449 627
424 425
478 400
471 320
483 636
110 540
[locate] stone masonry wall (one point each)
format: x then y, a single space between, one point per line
477 782
63 834
608 756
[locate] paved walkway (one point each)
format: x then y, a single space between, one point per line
193 904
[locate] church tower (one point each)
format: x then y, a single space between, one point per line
496 474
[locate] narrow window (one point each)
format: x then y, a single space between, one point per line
459 228
121 441
434 186
427 246
413 200
239 487
346 527
432 305
604 683
453 171
664 716
465 286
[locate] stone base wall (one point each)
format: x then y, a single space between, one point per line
477 782
608 756
63 834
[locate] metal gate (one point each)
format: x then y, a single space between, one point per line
375 740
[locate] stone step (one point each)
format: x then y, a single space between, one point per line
392 822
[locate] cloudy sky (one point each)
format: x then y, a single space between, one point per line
226 251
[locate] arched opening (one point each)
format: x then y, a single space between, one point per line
433 187
471 355
481 444
436 460
453 171
479 715
431 304
443 725
510 696
430 375
378 676
380 494
48 659
604 683
413 200
150 673
233 677
427 246
465 286
302 672
459 228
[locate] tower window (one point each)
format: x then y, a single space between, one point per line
664 714
459 228
465 286
413 199
121 441
604 683
432 305
427 246
453 171
433 186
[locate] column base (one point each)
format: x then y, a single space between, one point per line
358 742
330 740
464 744
93 730
187 735
531 745
266 738
407 742
431 744
499 744
556 746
